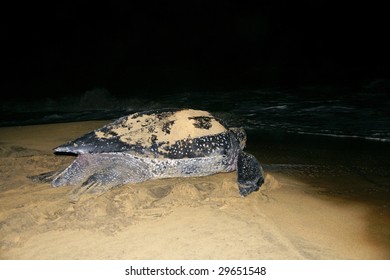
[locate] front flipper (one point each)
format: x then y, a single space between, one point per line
250 174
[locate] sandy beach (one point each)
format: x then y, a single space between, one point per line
191 218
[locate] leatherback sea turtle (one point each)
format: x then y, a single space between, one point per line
157 144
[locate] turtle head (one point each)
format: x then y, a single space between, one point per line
240 135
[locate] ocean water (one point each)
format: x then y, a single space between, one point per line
344 112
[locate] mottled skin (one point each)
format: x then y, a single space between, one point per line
114 155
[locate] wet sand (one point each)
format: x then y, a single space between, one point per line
294 216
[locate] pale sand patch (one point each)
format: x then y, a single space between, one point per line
194 218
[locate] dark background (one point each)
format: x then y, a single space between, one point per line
69 47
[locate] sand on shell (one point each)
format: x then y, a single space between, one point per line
179 218
181 125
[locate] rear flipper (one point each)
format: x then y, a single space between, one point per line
97 184
47 177
250 174
98 173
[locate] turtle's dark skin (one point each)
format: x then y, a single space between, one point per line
157 144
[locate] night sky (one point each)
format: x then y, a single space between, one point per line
66 47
